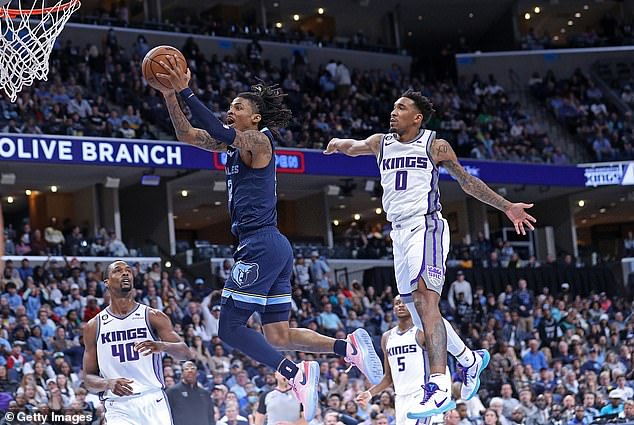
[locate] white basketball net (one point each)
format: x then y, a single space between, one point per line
26 40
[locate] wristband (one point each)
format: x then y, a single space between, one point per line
186 93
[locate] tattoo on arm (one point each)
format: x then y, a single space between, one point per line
443 155
252 141
441 149
204 140
185 132
476 187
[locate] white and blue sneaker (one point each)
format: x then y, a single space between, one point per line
435 402
471 374
362 354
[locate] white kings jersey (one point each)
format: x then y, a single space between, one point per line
408 176
408 362
116 356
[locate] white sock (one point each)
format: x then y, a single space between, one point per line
415 317
457 347
443 381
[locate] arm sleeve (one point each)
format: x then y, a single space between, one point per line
262 404
207 119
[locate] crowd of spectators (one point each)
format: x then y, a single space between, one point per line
607 32
582 108
65 238
328 100
557 358
211 26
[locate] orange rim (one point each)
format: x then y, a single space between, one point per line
12 13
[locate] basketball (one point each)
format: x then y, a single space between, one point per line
152 65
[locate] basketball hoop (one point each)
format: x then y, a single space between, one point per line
27 36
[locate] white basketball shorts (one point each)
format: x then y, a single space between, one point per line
149 408
409 403
421 246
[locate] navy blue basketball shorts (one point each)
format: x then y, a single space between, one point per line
260 279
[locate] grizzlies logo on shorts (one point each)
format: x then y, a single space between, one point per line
260 278
245 274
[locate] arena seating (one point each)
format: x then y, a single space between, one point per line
99 91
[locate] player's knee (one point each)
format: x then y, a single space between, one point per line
426 302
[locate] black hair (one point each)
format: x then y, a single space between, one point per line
268 101
423 104
109 269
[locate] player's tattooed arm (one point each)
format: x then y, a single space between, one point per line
352 147
253 141
185 132
442 154
92 380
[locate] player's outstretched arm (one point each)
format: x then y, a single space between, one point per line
92 380
352 147
170 342
386 382
442 154
220 135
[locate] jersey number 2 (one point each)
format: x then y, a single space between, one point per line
401 180
401 363
125 352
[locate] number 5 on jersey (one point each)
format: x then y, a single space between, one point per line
400 182
401 363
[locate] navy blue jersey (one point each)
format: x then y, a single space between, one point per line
252 192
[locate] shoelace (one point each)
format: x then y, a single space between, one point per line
429 390
465 375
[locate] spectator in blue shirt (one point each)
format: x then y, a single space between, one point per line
592 363
616 403
12 296
47 325
33 302
524 300
318 270
329 320
580 417
25 270
534 357
589 400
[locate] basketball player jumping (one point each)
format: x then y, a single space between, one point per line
408 158
260 279
118 343
404 358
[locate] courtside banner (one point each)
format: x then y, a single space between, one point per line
101 151
489 171
609 174
154 154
